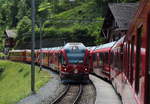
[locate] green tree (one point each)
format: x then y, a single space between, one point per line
5 12
24 9
24 26
45 9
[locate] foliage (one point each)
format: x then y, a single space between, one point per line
24 26
15 81
14 12
2 55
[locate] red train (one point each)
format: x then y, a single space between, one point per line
128 61
74 58
71 61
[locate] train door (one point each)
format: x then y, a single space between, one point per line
138 58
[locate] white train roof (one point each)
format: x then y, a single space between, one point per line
107 45
71 45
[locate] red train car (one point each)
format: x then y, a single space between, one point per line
28 56
54 58
131 78
74 62
100 57
17 55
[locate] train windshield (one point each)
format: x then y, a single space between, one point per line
75 57
75 53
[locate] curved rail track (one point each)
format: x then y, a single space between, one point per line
70 95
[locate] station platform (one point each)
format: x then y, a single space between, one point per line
105 94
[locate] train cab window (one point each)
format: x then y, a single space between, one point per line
87 61
138 59
63 61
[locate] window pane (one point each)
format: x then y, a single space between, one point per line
138 59
75 57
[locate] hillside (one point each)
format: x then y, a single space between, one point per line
16 14
82 23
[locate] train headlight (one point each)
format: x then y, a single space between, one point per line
75 71
86 69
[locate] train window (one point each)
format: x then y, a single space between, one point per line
128 68
106 58
111 58
118 60
94 59
121 57
101 59
138 58
115 62
132 59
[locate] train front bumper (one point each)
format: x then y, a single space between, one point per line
74 76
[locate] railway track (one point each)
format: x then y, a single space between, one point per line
70 95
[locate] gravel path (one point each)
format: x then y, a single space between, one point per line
47 93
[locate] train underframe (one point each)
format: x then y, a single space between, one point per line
73 77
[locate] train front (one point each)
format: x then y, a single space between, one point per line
74 62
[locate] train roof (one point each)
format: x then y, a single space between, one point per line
107 45
119 42
53 48
78 45
17 50
91 48
104 47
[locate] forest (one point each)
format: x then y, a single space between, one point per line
58 20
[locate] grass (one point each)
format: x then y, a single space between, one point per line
15 81
87 10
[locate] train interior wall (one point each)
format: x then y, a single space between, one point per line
149 58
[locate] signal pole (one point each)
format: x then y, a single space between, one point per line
32 50
41 45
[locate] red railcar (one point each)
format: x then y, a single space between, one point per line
74 58
28 56
132 77
17 55
100 57
54 61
